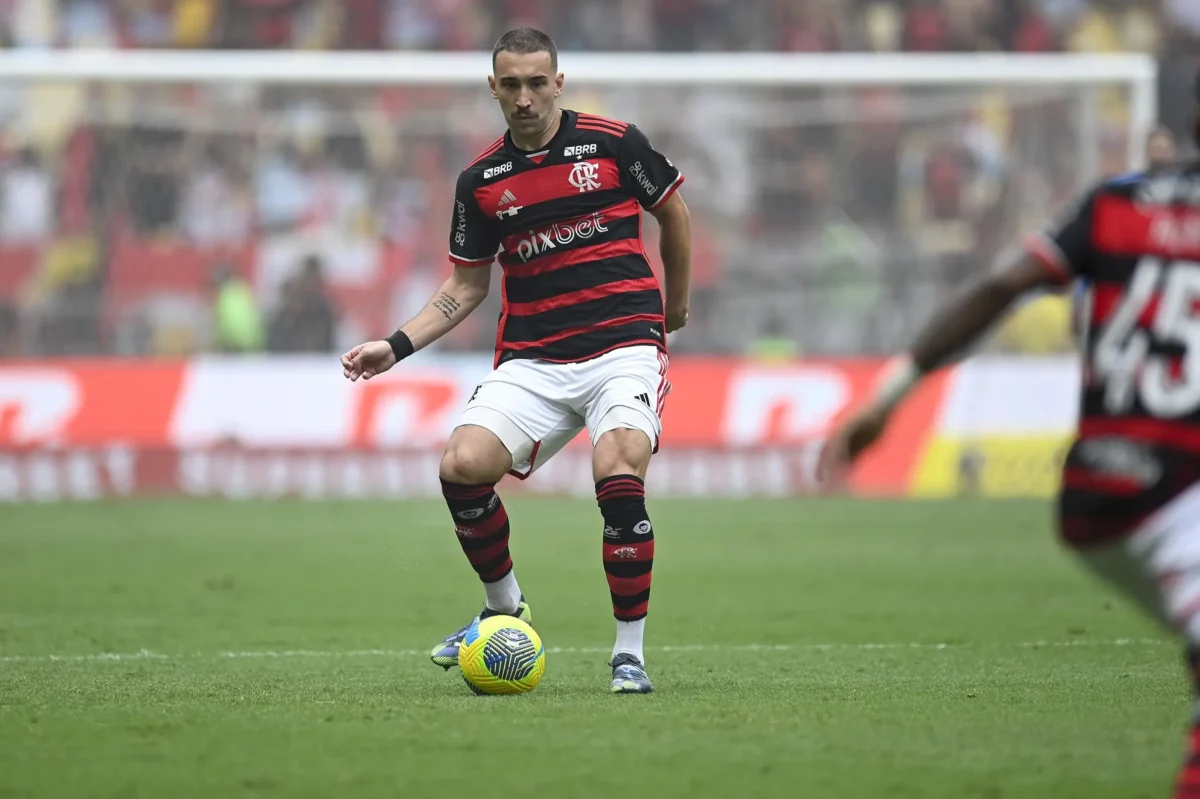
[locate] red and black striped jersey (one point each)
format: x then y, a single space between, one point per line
1134 243
566 224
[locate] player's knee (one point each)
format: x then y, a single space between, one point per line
469 460
621 451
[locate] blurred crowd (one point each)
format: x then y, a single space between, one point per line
829 220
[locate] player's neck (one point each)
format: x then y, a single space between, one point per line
534 143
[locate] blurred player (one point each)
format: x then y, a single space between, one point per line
582 332
1129 504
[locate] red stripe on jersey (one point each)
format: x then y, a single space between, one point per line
579 255
1120 227
610 213
583 295
575 331
666 195
1172 434
595 118
546 183
491 148
600 128
1102 483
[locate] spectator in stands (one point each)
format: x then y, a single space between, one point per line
236 318
305 320
26 199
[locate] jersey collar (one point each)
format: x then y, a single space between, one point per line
565 126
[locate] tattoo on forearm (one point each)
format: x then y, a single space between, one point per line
447 305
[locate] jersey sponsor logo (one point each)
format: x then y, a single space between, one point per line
497 170
639 174
542 241
580 150
585 176
460 230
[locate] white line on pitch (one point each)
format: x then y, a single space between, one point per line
146 654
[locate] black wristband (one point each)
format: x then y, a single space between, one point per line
402 345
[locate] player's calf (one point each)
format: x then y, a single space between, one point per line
474 461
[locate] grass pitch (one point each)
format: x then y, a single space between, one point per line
799 649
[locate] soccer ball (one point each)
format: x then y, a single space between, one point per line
502 655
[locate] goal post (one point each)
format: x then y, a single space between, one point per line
1135 71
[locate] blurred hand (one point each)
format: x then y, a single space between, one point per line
368 360
848 442
677 316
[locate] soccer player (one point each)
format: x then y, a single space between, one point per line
1129 504
582 332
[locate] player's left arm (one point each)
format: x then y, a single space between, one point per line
654 181
1048 260
675 247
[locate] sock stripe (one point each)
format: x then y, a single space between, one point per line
496 569
629 586
630 568
482 529
472 545
633 600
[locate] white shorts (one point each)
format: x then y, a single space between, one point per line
536 407
1158 566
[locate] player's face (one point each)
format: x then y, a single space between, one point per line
526 86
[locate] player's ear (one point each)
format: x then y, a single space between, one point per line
492 86
558 84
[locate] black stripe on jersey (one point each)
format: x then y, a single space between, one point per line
533 328
575 278
592 343
627 227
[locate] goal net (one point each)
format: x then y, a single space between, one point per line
834 198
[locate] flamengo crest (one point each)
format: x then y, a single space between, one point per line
585 176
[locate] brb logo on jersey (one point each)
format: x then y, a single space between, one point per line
585 176
497 170
560 233
580 150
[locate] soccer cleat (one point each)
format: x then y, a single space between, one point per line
445 654
629 676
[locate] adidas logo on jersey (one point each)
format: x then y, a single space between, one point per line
506 198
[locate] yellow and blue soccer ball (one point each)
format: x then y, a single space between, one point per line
502 655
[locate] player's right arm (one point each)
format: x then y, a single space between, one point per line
473 245
1049 259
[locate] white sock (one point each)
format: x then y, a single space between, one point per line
629 638
504 595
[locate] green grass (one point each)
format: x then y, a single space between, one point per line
208 591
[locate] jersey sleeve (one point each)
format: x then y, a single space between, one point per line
473 237
645 172
1064 248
